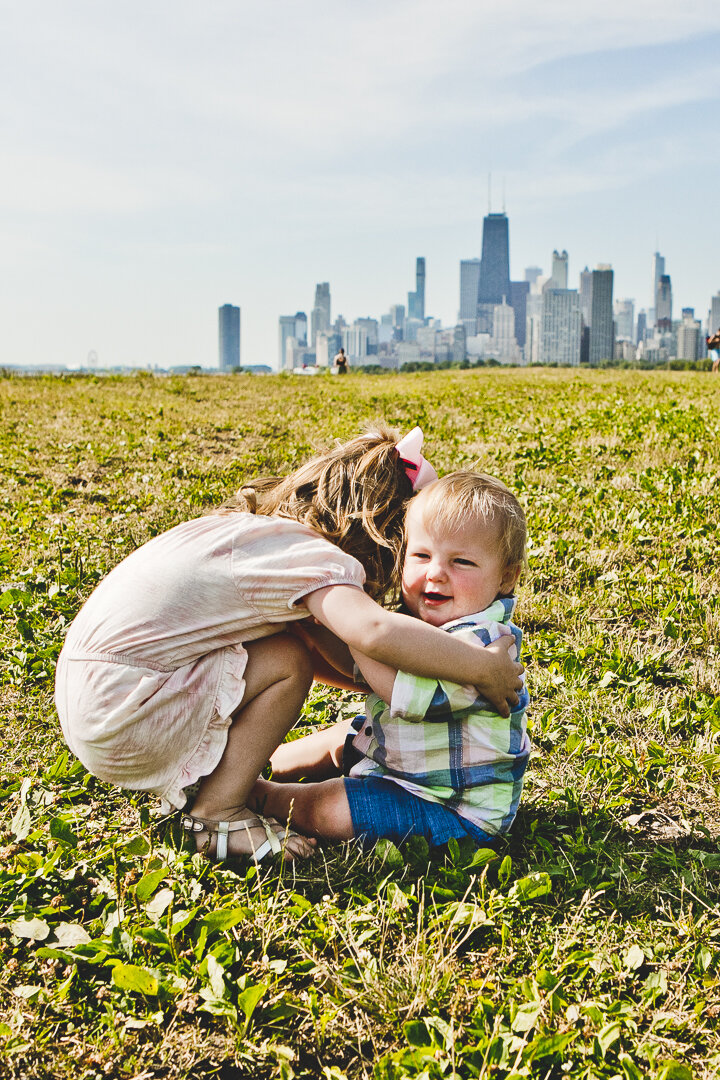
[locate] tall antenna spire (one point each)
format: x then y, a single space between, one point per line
503 195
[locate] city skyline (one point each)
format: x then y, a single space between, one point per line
154 168
540 319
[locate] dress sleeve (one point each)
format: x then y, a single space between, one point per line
285 561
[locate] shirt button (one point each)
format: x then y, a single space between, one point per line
368 731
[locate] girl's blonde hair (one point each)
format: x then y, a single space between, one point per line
463 497
354 495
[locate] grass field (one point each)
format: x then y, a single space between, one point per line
587 946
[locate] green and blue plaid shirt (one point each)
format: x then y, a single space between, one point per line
444 742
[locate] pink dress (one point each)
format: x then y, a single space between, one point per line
152 667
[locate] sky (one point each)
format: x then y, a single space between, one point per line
159 159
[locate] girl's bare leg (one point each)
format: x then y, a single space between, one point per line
320 810
313 757
277 680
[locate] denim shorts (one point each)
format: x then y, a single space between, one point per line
381 809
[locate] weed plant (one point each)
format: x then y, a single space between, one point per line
587 945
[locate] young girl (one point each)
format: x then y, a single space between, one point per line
428 758
179 671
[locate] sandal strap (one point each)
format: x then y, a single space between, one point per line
190 823
222 829
273 840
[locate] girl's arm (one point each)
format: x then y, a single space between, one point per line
408 644
322 641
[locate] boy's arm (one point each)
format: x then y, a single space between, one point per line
379 677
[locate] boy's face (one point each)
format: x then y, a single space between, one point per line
448 576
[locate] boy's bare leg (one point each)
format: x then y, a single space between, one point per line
313 757
320 810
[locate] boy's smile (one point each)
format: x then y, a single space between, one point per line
446 577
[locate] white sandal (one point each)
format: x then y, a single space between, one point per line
276 834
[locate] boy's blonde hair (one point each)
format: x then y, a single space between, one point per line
463 497
353 494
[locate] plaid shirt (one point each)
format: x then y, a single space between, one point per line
445 743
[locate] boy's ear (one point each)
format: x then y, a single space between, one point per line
510 577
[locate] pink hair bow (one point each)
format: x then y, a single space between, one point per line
419 472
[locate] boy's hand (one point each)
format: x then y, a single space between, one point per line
502 684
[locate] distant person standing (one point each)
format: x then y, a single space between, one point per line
713 344
340 363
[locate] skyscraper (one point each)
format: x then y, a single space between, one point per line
301 327
663 305
416 300
519 292
320 318
688 336
625 319
714 315
561 328
469 288
494 284
658 269
559 275
228 337
602 335
286 327
641 328
586 281
503 345
397 314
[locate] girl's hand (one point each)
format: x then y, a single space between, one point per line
501 683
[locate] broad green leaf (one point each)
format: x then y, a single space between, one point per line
60 830
546 1045
135 979
532 886
30 993
608 1036
136 845
416 1033
526 1017
216 977
634 958
390 854
674 1070
218 1006
35 929
417 848
629 1068
181 919
14 598
22 821
504 870
70 934
465 914
482 857
223 918
704 958
149 882
160 903
249 998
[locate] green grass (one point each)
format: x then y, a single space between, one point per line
587 946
